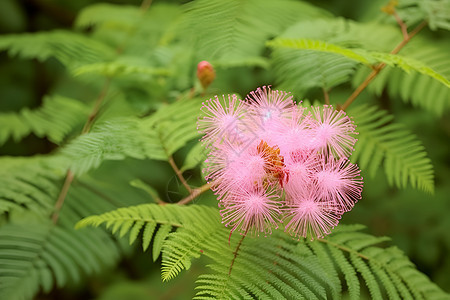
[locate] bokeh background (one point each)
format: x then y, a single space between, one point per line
417 222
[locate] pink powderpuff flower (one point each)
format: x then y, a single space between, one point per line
309 216
267 147
292 134
333 131
222 120
300 167
252 211
340 181
229 169
267 107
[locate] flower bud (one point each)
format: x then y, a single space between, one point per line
205 73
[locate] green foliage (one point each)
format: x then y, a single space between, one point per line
55 119
40 256
157 137
235 32
360 55
26 182
404 156
282 268
71 49
145 116
421 90
154 221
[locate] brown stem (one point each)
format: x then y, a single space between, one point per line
62 195
235 253
195 193
326 96
86 128
179 174
402 25
380 66
145 5
97 106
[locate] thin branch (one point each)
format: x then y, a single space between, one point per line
179 174
402 25
381 66
97 106
195 193
145 5
62 196
86 128
326 96
235 253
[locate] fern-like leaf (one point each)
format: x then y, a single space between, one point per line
421 90
155 137
363 56
404 156
155 221
42 255
55 119
278 267
69 48
234 30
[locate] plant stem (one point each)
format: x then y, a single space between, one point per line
380 66
235 253
179 174
195 193
86 128
326 97
97 106
62 196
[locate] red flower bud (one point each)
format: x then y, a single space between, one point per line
205 73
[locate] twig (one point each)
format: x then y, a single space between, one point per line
235 253
96 109
145 5
381 66
326 97
179 174
62 196
401 24
86 128
195 193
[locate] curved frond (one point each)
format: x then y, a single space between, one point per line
421 90
42 255
380 140
154 221
27 183
157 137
234 30
279 267
435 12
71 49
363 56
55 119
117 68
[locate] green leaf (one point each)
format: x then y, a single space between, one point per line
379 140
363 56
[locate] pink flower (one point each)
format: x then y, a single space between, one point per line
255 210
340 181
270 159
309 216
333 131
221 120
267 107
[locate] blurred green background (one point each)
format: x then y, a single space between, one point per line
417 222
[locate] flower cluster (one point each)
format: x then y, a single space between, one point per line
273 161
